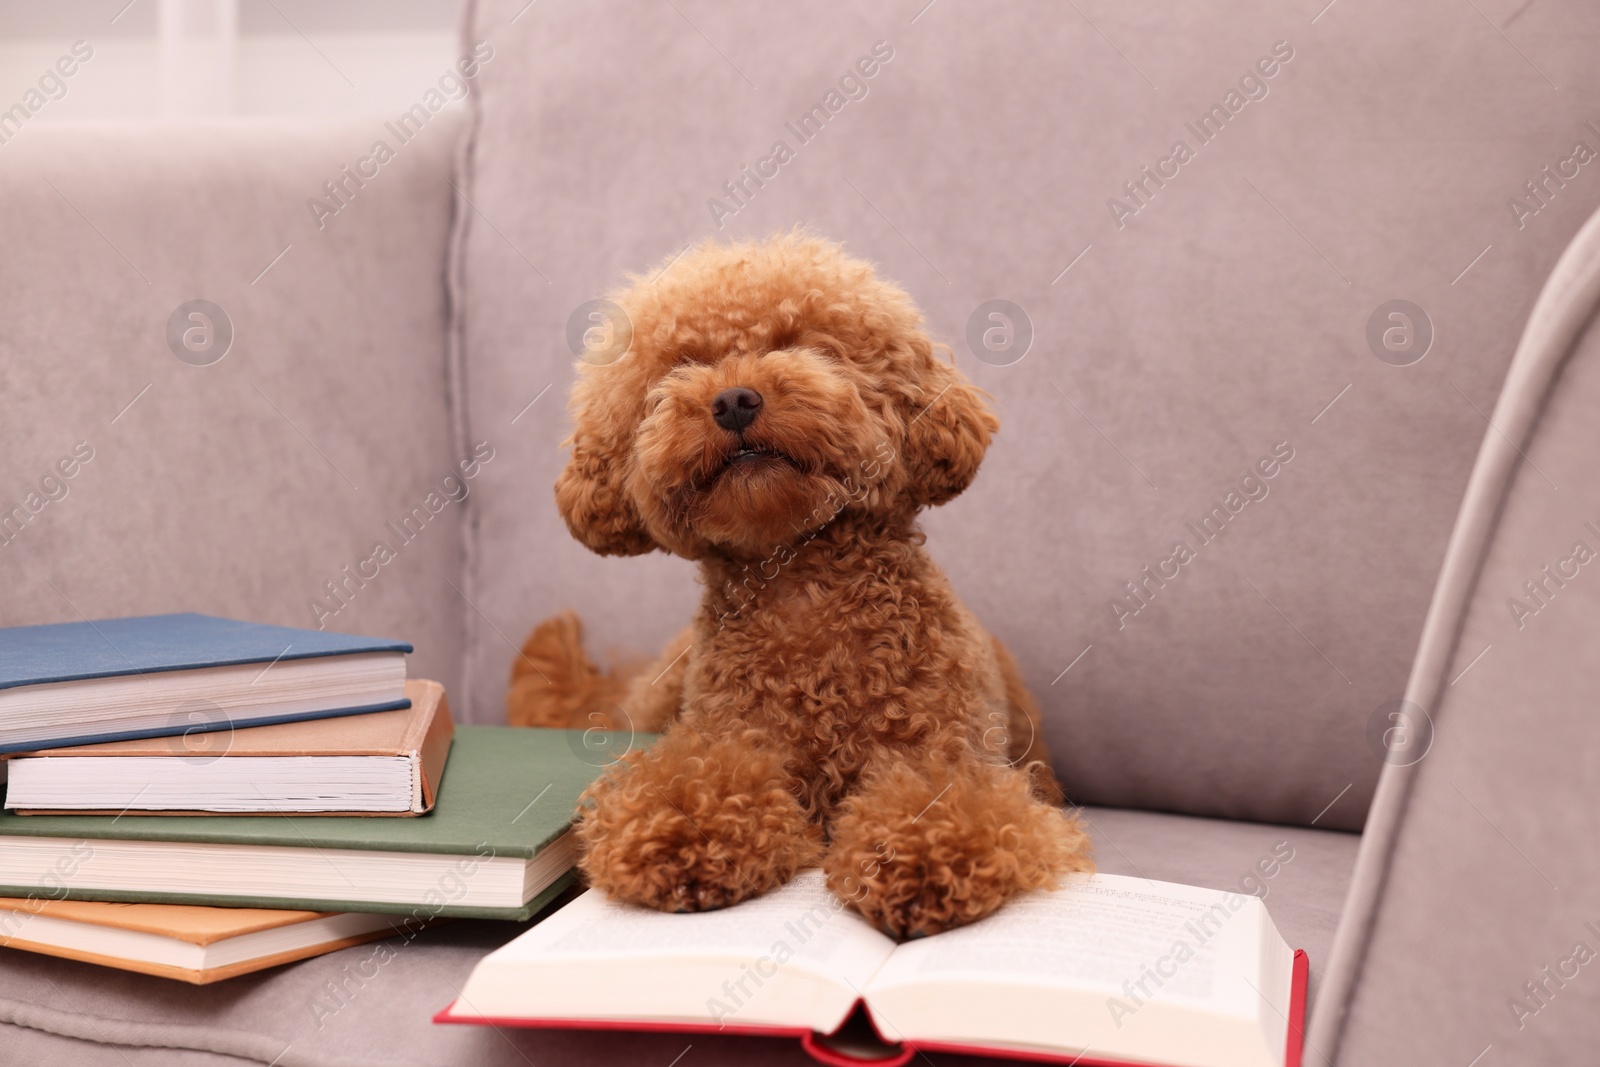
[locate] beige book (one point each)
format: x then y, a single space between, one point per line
378 763
187 943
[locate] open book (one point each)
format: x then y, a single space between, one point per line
1105 970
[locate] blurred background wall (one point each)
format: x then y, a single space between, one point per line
181 58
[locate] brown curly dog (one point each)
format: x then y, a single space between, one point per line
781 419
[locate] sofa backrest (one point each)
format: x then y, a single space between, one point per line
237 455
1273 260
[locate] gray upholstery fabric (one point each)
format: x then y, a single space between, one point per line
382 1018
1170 355
1223 317
242 487
1478 873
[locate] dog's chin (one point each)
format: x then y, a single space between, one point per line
759 500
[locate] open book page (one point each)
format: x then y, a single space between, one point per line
794 957
1124 967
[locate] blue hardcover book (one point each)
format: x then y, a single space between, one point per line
184 676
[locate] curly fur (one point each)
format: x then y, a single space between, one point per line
677 825
921 848
833 700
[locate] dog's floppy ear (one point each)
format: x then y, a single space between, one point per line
590 492
947 435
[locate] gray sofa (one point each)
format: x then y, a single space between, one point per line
1340 663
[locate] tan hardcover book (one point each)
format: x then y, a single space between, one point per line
379 763
184 942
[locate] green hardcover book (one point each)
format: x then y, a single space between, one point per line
496 845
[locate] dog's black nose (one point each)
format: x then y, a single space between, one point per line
734 409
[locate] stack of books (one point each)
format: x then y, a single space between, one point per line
196 797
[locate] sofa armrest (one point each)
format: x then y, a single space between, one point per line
224 372
1472 906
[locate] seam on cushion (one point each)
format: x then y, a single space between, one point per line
114 1032
1562 313
456 364
128 1033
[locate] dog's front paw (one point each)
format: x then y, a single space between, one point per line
692 825
922 849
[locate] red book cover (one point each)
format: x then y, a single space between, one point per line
824 1050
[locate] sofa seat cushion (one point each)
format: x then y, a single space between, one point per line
372 1004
